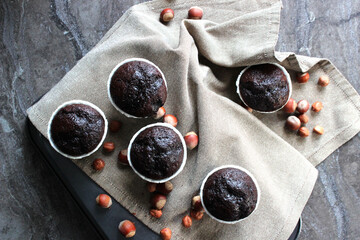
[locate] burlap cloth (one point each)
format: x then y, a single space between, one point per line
201 60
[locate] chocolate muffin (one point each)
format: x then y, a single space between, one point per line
138 88
230 194
264 87
77 129
157 152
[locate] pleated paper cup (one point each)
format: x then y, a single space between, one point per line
184 151
288 78
71 103
112 74
223 167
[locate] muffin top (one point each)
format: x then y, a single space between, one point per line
157 152
230 194
77 129
264 87
138 88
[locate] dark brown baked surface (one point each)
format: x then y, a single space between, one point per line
157 152
77 129
230 194
138 89
264 87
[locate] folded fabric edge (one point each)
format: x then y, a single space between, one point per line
303 196
347 89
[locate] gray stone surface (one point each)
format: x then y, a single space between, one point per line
42 39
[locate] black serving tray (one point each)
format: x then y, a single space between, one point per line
84 191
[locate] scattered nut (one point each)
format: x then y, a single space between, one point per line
317 106
324 81
303 106
186 221
98 164
151 187
127 228
156 213
293 123
319 130
303 77
191 140
303 118
122 157
109 146
290 106
197 215
158 201
171 119
104 200
165 234
167 15
114 126
196 204
160 113
195 13
164 188
304 132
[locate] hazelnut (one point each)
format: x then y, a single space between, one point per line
186 221
303 106
197 215
290 106
324 81
319 130
171 119
317 106
158 201
151 187
160 113
122 157
164 188
98 164
127 228
109 146
195 13
165 234
104 200
167 15
293 123
303 118
114 126
196 203
156 213
303 77
304 132
249 109
191 140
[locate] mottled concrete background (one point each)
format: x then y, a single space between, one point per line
42 39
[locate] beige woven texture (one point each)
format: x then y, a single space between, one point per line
201 61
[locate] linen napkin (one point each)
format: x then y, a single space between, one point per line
201 60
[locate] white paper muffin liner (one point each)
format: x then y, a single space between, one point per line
222 167
184 148
113 72
288 78
77 102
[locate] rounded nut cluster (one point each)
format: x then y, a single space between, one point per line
171 119
191 140
290 106
167 15
324 81
98 164
195 13
109 147
122 157
317 106
304 132
127 228
104 200
293 123
303 77
165 234
303 106
186 221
